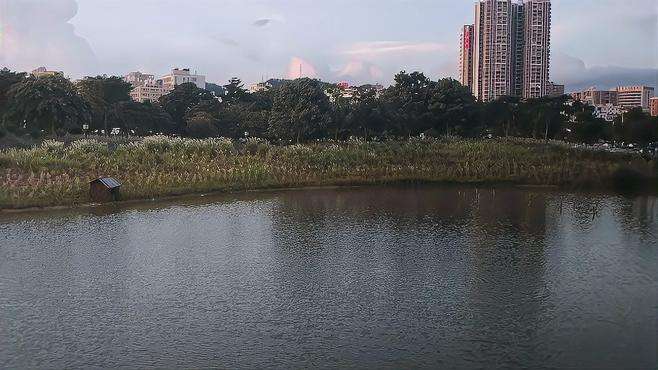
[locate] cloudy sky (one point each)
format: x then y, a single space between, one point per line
595 42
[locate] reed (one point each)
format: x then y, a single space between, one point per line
55 173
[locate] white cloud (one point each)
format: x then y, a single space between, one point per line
378 48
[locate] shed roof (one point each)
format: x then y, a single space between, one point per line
109 182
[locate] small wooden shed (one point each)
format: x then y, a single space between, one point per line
104 189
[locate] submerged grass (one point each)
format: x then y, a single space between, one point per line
57 174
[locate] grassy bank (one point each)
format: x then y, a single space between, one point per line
56 174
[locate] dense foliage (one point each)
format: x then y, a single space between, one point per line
302 110
57 173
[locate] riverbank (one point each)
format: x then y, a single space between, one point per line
55 174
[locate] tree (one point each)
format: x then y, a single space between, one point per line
101 93
585 127
140 118
235 92
452 107
545 117
250 118
300 111
365 117
183 99
502 115
636 126
51 104
202 125
7 80
406 105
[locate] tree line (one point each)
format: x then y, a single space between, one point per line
302 110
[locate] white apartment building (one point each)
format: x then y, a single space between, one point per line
634 96
145 87
182 76
150 91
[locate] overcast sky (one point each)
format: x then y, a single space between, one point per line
595 42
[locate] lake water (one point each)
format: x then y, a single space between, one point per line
383 277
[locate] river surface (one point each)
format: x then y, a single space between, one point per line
382 277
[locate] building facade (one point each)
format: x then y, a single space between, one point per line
653 106
537 48
510 53
44 72
466 56
554 90
149 92
595 97
182 76
634 96
138 78
145 87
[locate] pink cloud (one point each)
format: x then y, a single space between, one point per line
298 68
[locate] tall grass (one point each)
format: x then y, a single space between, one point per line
55 173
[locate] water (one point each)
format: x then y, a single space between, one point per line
368 278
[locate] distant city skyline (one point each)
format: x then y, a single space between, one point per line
603 43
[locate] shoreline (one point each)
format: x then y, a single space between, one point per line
56 177
193 196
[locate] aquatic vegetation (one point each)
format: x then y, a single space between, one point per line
58 174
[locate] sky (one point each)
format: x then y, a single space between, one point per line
601 43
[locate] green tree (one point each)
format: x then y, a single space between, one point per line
202 125
185 99
249 117
502 115
584 127
101 93
406 105
452 107
545 117
366 117
235 92
49 104
7 80
140 118
300 111
636 126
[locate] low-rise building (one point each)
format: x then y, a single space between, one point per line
634 96
182 76
44 72
261 86
138 78
653 106
150 91
145 87
553 89
595 97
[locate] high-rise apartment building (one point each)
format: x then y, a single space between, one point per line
495 31
466 57
511 47
536 49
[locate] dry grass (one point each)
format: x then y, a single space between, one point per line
57 174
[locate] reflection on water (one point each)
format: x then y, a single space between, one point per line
368 278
